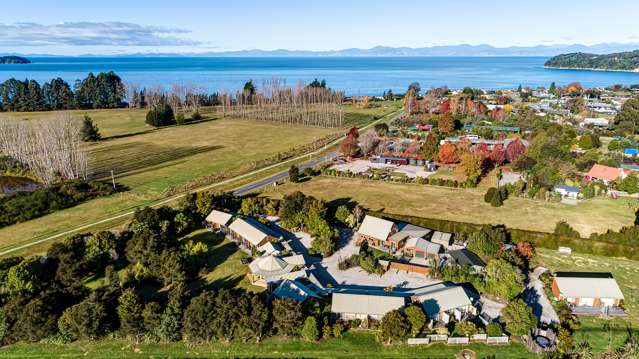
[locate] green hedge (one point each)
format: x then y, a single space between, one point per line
538 239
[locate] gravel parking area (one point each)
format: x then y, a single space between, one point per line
358 277
361 166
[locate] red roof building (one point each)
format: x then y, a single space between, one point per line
604 173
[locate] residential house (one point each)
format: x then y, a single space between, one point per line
218 220
464 257
595 121
353 304
603 173
421 248
251 233
444 301
295 290
565 191
586 289
377 232
443 239
270 269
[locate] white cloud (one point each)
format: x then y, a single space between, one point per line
90 34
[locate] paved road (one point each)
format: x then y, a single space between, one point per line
241 190
282 175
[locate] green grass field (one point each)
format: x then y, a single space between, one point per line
148 161
466 205
599 332
354 344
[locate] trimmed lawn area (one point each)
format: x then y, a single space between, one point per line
600 332
466 205
223 262
354 344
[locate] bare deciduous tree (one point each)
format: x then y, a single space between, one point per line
302 105
50 148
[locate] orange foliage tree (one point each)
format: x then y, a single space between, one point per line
447 153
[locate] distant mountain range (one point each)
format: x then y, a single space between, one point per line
620 61
447 50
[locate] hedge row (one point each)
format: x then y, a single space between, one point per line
539 239
418 180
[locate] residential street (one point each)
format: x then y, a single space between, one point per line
535 297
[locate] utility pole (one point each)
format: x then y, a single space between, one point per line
113 179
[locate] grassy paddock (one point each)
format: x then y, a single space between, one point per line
148 161
466 205
354 344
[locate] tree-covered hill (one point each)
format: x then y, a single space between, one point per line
14 60
622 61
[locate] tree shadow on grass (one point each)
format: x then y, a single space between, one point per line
131 158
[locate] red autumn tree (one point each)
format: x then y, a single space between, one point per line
412 150
350 146
444 107
515 149
482 150
497 155
447 153
525 250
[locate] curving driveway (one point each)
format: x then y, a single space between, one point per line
535 296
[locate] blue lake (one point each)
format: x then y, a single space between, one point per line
355 75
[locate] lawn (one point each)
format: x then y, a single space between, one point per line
626 272
148 161
224 269
354 344
466 205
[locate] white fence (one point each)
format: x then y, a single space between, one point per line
418 341
497 340
458 340
481 337
432 338
437 337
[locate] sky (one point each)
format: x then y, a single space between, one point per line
72 27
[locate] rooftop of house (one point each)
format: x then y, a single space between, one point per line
442 297
377 228
465 257
252 230
424 245
604 172
219 217
567 188
369 303
295 290
588 285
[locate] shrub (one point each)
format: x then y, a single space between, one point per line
196 116
466 328
310 331
180 119
496 200
160 115
494 330
338 329
562 228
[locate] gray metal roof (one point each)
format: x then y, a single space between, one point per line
588 285
368 304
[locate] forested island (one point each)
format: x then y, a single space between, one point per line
14 60
621 61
